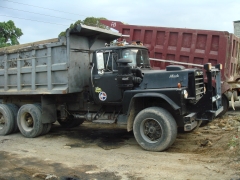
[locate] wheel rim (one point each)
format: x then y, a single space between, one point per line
27 121
2 121
150 130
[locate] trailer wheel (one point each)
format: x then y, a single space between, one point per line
46 127
29 122
154 129
225 104
6 120
14 108
70 122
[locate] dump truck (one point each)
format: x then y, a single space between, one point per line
190 48
89 76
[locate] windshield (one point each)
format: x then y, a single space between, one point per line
139 57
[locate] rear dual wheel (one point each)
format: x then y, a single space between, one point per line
27 119
46 127
7 120
29 122
14 108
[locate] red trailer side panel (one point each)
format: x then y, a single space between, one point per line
186 45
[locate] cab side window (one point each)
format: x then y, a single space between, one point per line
110 61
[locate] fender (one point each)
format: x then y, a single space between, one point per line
131 111
162 96
49 111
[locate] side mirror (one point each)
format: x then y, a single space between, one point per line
100 61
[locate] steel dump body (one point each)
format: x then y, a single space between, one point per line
55 66
191 46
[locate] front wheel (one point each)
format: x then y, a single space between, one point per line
155 129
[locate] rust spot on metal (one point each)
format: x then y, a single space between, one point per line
64 92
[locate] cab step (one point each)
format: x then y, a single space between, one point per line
102 121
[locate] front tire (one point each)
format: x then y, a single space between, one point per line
29 122
155 129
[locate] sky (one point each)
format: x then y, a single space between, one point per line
45 19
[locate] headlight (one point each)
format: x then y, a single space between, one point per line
185 94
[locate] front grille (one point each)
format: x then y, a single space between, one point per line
195 86
199 86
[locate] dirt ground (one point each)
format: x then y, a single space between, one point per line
105 152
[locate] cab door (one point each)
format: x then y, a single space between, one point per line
104 78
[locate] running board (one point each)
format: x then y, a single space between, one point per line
104 121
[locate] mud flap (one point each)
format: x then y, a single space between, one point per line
49 111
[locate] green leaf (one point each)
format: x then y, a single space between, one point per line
89 21
9 34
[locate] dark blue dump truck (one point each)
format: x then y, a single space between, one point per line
89 76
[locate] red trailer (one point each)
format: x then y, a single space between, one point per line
189 47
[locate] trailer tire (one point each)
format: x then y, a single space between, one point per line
29 122
225 104
70 122
14 108
6 120
155 129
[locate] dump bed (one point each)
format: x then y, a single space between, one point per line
55 66
188 46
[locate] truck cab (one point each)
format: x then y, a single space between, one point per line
105 71
123 83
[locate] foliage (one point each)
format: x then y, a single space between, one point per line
89 21
9 34
234 141
92 21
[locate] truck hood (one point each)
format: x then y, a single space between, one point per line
164 79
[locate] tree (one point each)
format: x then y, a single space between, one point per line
89 21
9 34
